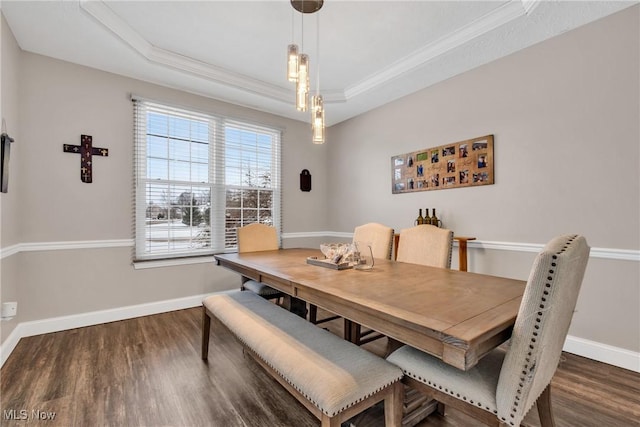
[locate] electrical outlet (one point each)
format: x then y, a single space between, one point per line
9 310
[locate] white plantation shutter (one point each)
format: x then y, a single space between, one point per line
198 177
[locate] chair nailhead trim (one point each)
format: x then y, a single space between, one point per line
451 392
536 326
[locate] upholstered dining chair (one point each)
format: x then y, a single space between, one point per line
422 244
380 236
504 385
381 239
253 238
426 245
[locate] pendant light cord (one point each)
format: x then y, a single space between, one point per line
302 37
293 23
318 53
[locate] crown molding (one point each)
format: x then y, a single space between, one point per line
530 5
492 20
102 14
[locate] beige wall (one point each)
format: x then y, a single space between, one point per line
48 203
565 118
9 213
63 101
10 78
564 114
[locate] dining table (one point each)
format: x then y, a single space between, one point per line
456 316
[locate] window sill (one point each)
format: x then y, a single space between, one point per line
142 265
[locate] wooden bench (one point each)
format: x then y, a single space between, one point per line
333 378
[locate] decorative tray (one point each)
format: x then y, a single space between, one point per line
327 263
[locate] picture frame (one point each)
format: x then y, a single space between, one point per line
5 154
467 163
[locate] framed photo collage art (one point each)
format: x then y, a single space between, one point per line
460 164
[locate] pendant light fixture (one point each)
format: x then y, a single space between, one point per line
317 103
298 71
292 63
317 119
302 84
292 56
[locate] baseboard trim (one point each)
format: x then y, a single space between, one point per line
605 353
56 324
9 344
611 355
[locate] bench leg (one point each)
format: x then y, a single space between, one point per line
327 421
206 329
393 406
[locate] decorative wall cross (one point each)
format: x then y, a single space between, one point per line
5 150
87 151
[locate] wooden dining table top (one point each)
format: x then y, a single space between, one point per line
454 315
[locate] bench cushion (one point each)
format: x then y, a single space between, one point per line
333 374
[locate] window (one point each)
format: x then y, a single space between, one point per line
197 178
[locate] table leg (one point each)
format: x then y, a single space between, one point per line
392 345
296 306
350 331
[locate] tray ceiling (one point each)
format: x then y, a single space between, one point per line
370 53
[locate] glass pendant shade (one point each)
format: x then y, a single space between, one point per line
302 86
298 72
292 63
317 119
302 98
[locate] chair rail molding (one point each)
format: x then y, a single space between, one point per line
606 253
603 253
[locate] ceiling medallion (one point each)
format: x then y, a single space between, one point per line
307 6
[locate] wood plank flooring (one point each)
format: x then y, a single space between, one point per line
148 372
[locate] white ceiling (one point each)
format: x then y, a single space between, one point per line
371 52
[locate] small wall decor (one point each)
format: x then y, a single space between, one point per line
5 152
460 164
305 180
86 151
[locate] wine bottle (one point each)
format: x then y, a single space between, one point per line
427 219
420 219
434 219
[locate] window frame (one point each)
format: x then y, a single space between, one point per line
220 239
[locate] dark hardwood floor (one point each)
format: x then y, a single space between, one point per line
148 372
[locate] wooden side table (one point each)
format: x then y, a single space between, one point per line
462 249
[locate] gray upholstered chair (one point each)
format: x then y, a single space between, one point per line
253 238
426 245
381 239
505 384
